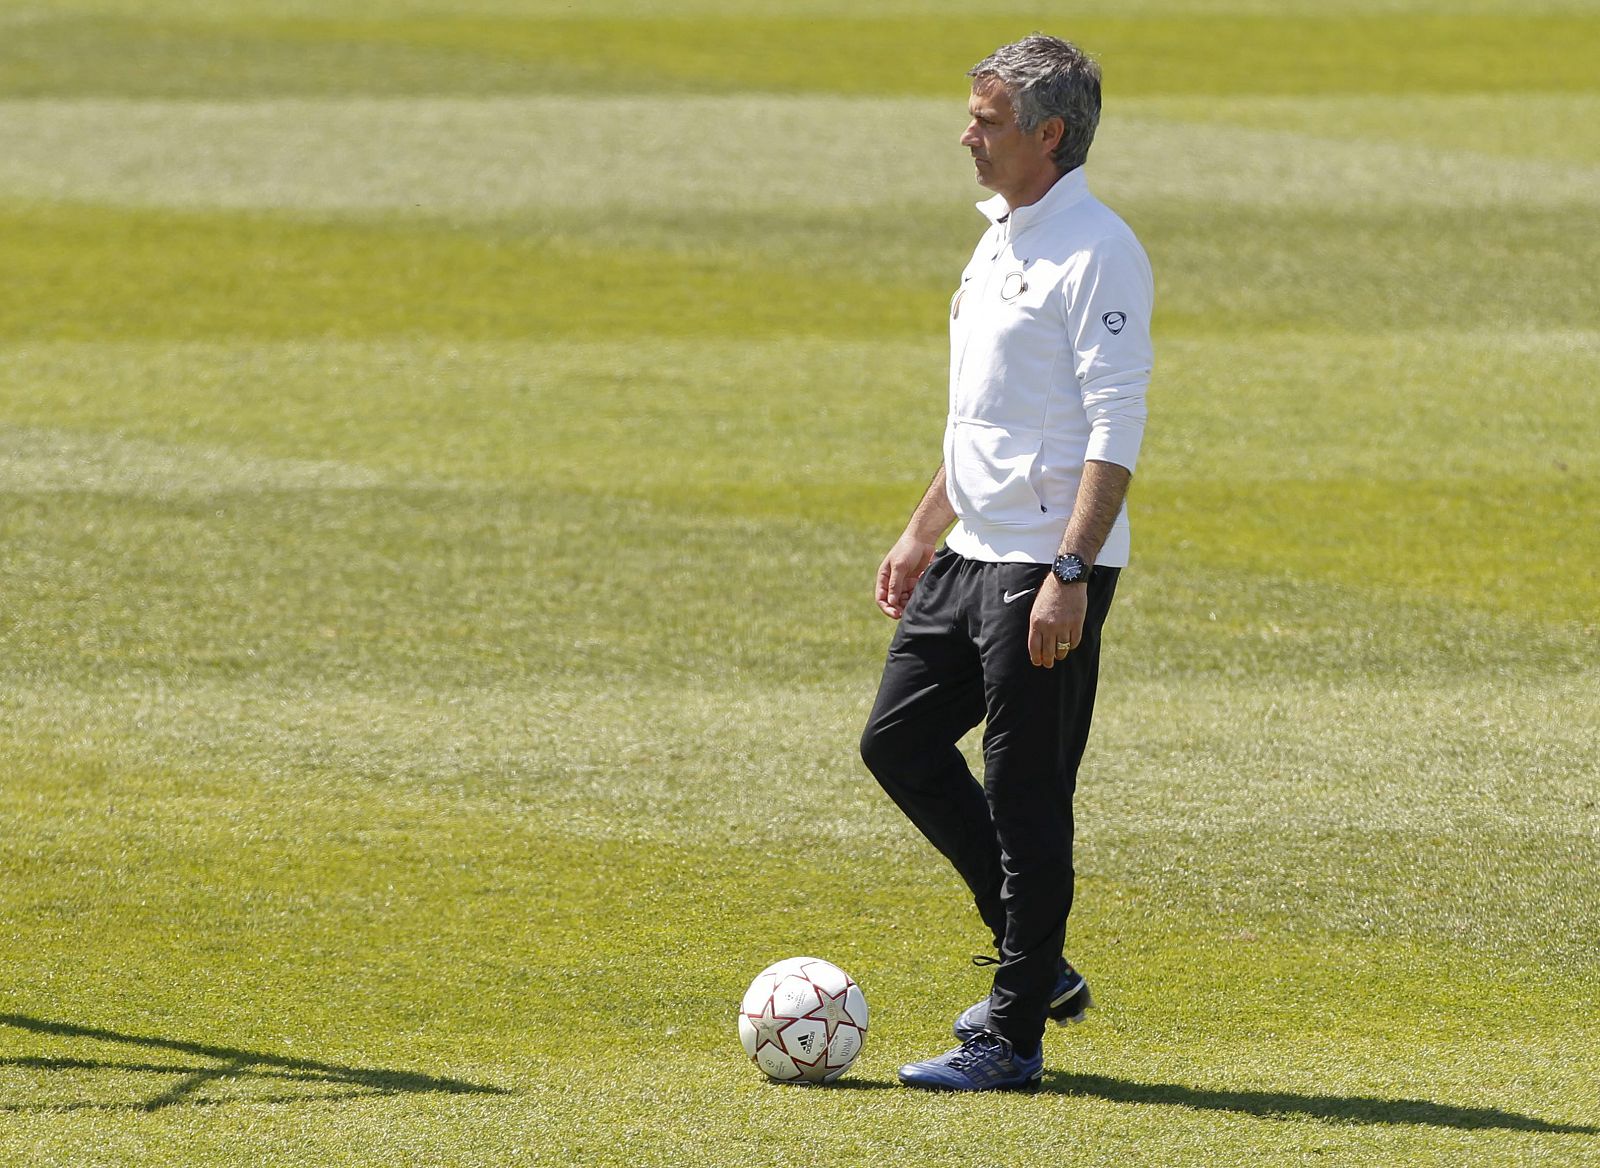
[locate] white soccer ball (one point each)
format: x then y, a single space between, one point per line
803 1021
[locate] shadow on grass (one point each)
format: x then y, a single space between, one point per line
848 1083
1354 1109
226 1063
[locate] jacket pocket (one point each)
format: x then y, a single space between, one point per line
990 473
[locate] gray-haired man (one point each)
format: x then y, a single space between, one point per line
1049 360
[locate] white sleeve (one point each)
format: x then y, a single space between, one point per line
1108 321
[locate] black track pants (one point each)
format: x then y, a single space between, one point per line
960 657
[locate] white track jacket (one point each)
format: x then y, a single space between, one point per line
1049 362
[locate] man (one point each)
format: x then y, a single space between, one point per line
1049 360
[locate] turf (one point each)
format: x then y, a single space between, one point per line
445 454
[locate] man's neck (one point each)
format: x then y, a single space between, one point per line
1032 192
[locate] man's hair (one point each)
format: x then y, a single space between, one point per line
1046 77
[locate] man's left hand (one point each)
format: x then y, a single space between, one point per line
1056 621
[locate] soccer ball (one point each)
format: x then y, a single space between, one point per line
803 1021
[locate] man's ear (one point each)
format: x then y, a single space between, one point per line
1053 130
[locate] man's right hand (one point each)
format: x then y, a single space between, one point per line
900 571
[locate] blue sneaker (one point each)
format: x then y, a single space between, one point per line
984 1062
1068 1003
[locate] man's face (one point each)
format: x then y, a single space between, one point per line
1007 161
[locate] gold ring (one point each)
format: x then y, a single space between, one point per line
1067 645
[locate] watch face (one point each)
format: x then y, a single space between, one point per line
1069 569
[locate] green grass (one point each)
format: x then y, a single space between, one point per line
1311 52
444 458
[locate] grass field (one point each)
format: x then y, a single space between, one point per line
444 454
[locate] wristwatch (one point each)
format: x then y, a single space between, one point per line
1070 569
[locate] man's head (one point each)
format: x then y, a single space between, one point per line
1047 94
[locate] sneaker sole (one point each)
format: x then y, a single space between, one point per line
1032 1084
1080 1008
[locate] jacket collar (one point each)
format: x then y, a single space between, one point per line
1067 190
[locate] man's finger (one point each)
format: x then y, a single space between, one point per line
891 589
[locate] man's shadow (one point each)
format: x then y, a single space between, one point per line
1351 1109
300 1079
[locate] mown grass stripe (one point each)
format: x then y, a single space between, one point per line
93 273
85 273
246 55
473 160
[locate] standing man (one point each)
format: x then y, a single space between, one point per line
1049 360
